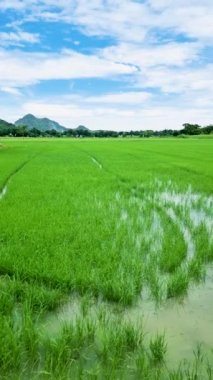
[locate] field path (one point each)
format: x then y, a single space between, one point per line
96 162
4 188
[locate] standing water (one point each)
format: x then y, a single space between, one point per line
185 324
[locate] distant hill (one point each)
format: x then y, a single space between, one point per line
82 128
6 128
5 124
42 124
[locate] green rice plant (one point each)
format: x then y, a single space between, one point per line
70 226
196 270
111 343
39 298
81 235
204 244
174 248
176 374
61 353
199 368
7 299
29 339
9 348
86 303
102 314
19 344
198 354
209 371
158 348
133 336
154 281
58 357
143 368
177 285
115 340
119 291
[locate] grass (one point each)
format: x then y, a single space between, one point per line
174 249
158 348
178 284
107 230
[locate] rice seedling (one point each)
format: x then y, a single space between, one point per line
158 348
107 221
177 285
196 270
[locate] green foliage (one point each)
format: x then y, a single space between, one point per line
158 348
178 284
88 217
32 126
173 249
196 270
204 245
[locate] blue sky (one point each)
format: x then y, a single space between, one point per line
110 64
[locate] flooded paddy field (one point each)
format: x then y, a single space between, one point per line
106 251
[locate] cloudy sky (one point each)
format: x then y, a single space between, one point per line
110 64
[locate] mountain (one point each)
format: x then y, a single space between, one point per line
43 124
81 128
5 124
6 128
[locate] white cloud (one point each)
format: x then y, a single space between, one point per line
192 18
154 117
146 50
130 98
10 90
168 54
128 20
22 69
12 4
170 80
18 38
125 20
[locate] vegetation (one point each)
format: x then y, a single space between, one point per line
98 226
158 348
30 126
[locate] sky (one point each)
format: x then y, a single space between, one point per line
107 64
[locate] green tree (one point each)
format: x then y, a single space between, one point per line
191 129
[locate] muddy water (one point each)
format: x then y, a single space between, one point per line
68 313
185 324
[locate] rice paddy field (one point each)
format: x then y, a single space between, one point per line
106 251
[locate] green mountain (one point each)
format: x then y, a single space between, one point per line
5 124
43 124
81 128
5 127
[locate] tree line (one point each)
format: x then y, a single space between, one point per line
23 131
